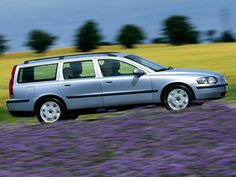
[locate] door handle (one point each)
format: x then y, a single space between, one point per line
67 85
108 82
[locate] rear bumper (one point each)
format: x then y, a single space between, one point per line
211 92
20 105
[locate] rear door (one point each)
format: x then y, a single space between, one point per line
80 86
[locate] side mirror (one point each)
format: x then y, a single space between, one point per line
138 72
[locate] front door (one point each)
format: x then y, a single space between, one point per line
121 87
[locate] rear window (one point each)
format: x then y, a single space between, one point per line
37 73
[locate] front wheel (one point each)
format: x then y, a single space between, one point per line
177 98
50 110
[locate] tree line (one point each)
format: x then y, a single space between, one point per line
177 30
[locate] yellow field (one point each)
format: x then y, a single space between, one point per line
216 57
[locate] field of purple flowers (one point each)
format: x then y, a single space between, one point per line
143 142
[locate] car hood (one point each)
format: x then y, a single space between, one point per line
190 72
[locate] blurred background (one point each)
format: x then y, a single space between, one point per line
177 33
145 141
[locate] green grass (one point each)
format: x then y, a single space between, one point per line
216 57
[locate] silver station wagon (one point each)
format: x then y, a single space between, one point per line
65 87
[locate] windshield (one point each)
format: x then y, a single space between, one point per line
153 66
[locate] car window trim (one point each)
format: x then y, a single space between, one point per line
43 80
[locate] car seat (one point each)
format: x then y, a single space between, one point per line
76 68
67 73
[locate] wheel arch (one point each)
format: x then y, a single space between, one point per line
50 96
176 84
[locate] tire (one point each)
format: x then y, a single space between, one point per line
177 97
50 110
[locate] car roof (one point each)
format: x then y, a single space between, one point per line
75 56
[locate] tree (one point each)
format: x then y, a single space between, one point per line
211 35
87 37
227 36
130 35
178 31
3 46
40 41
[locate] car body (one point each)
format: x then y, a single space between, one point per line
58 87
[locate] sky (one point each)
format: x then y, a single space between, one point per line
63 17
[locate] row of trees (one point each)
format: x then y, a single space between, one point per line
177 30
87 38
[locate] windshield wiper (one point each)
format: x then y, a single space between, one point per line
164 69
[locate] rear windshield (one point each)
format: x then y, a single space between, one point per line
37 73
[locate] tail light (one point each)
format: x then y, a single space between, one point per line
12 81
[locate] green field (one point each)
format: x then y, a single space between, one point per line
216 57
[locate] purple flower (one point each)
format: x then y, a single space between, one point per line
140 142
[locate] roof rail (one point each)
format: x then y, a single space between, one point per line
73 55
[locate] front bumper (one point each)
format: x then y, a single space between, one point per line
210 92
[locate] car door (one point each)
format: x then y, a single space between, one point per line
80 86
121 87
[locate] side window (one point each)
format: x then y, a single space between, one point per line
78 69
37 73
115 68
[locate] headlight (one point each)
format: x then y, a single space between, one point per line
207 80
212 80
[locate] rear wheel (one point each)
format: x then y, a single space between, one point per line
177 97
50 110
